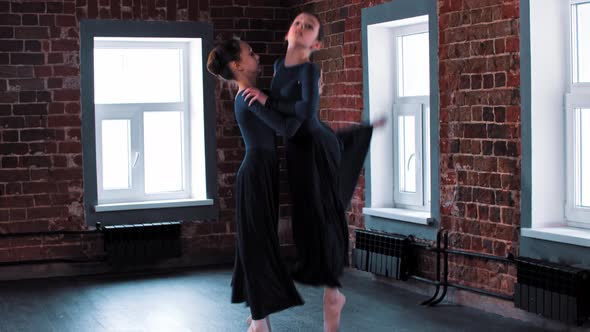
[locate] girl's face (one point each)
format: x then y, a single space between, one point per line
248 63
304 32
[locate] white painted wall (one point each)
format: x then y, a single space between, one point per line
197 118
381 94
549 43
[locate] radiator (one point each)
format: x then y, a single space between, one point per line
142 243
552 290
382 254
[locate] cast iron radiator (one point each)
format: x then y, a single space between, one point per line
382 254
552 290
142 243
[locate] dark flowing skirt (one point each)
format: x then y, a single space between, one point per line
260 277
323 167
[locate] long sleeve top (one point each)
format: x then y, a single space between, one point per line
258 126
294 102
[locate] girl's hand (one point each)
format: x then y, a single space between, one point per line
254 94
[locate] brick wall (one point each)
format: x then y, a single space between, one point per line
41 185
480 135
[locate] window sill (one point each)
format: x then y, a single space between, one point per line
152 205
563 234
414 217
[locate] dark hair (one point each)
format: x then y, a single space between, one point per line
221 56
321 29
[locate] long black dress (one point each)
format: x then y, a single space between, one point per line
323 169
260 277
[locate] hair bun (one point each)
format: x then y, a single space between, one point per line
214 63
220 58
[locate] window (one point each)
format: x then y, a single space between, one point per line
410 104
142 110
578 117
148 116
400 58
555 216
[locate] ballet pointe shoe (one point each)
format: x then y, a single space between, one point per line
333 304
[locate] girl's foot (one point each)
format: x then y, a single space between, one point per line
259 325
333 303
249 322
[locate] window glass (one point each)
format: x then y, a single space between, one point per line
137 75
584 156
115 154
163 151
407 150
413 71
581 42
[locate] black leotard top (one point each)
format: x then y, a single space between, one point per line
293 110
258 125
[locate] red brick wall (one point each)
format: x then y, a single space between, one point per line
479 123
41 185
479 68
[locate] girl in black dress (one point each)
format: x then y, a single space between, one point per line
259 278
323 166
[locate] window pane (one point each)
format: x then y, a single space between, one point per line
584 131
115 154
413 71
163 151
137 75
581 43
407 153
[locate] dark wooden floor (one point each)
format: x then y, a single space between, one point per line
198 300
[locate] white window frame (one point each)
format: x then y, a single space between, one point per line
577 97
134 113
418 106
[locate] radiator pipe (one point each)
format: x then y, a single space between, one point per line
445 270
438 251
481 291
422 279
478 255
508 259
48 233
55 260
445 283
466 288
